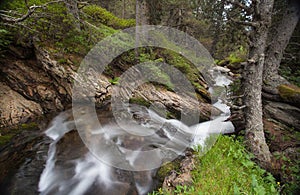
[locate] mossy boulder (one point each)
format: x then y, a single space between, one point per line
290 94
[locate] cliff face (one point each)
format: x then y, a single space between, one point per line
33 84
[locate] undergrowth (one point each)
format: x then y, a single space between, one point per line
227 169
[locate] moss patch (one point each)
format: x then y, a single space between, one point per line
288 91
8 133
165 170
140 101
107 17
4 139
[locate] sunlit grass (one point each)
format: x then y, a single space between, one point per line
227 169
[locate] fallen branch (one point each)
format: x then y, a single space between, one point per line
30 11
240 5
253 24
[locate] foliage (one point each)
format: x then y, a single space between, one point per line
55 27
289 74
5 39
114 81
238 56
186 67
290 168
227 169
107 18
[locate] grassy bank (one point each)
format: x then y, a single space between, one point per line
227 169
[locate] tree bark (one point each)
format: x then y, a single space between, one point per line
278 44
142 12
142 18
252 83
123 9
217 26
73 9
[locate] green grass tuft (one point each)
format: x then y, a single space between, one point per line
227 169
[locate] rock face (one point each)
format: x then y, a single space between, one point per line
33 84
14 108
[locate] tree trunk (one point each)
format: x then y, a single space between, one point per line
123 9
278 44
142 12
142 18
217 26
252 83
73 9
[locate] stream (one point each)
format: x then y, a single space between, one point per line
116 161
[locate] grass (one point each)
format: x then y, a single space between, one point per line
227 169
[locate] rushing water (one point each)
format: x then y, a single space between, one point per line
73 169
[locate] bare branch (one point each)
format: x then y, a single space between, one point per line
30 11
235 97
82 4
253 24
240 5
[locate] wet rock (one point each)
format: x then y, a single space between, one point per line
176 106
22 162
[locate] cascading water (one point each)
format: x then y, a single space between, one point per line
72 169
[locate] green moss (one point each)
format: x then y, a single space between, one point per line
166 168
186 67
157 75
8 133
170 115
288 91
4 139
107 17
290 74
62 61
235 59
139 101
29 126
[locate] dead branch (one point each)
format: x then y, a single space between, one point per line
30 10
240 5
253 24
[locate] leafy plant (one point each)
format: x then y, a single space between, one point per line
114 81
